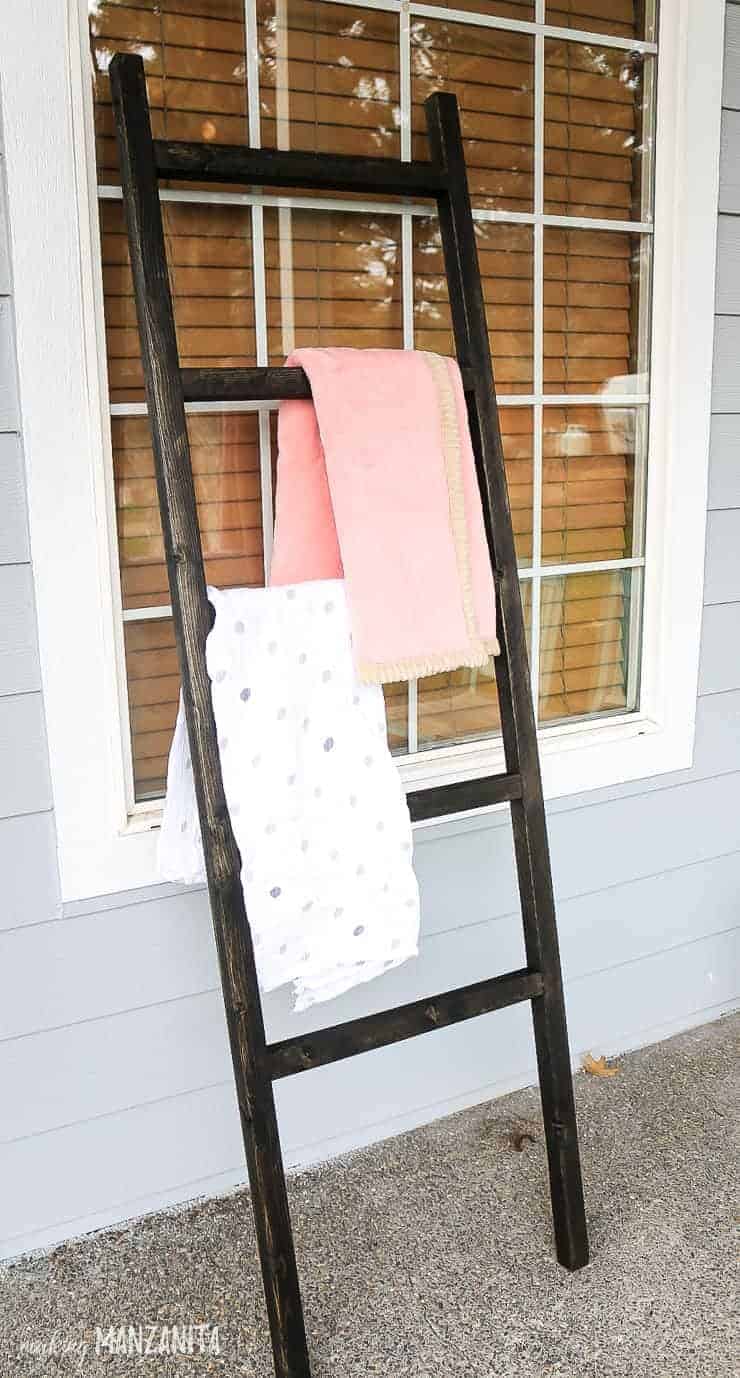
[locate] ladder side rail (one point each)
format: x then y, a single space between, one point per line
192 619
514 688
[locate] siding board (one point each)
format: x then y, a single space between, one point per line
722 573
14 548
8 397
724 462
731 83
719 668
729 163
728 266
726 377
24 769
28 866
19 663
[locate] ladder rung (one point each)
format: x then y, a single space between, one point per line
256 384
270 167
463 795
392 1026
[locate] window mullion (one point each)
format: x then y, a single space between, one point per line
538 360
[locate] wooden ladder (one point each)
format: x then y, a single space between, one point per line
257 1063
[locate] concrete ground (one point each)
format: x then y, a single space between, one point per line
430 1255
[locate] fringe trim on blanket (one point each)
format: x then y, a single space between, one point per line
474 656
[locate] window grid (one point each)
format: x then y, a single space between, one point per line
537 399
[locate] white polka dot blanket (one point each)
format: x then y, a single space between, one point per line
316 801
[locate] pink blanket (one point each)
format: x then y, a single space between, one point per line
376 483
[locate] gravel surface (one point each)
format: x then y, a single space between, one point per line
430 1255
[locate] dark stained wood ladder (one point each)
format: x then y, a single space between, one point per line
256 1063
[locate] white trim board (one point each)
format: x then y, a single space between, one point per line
52 198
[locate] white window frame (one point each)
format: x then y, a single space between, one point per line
105 844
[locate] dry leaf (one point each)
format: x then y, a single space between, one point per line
520 1133
598 1067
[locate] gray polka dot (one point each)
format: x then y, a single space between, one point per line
353 801
291 779
223 742
317 792
338 911
380 826
305 956
308 905
405 846
326 676
270 828
386 888
282 712
283 949
290 594
256 760
304 845
184 826
410 904
245 694
356 700
328 607
395 944
239 628
220 676
302 658
329 744
368 760
272 647
360 871
334 855
358 930
306 724
275 891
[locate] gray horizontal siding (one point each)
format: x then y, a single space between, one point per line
113 1057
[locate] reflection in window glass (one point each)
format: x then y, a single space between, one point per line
491 71
585 644
588 482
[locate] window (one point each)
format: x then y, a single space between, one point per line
600 294
559 145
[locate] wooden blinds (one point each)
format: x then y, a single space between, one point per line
566 287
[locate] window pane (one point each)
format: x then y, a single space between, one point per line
227 485
505 253
458 705
596 292
209 256
622 18
492 74
153 691
333 278
585 644
329 78
594 155
194 60
589 456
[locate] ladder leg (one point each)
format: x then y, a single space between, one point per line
512 676
191 617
